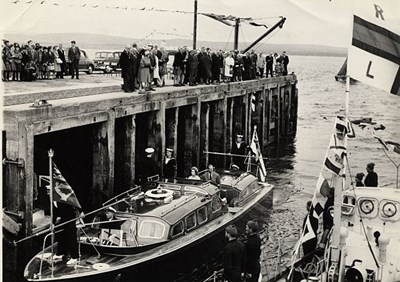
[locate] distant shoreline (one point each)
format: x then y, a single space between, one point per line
92 41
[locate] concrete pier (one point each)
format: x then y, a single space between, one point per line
99 136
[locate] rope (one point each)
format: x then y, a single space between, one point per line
230 34
269 37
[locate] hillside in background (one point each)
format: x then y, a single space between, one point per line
107 42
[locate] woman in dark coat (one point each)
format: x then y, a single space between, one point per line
193 64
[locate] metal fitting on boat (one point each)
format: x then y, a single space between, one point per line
383 242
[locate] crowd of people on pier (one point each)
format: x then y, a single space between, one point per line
146 67
32 61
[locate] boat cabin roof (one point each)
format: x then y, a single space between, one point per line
179 208
239 182
187 186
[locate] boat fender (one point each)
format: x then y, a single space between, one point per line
356 273
383 242
159 193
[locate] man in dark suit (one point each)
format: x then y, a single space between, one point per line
74 54
126 70
67 240
61 55
211 175
285 62
270 60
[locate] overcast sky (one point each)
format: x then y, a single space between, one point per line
321 22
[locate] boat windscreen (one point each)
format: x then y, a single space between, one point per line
151 229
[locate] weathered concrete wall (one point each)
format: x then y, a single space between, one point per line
120 126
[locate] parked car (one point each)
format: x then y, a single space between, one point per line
85 64
106 61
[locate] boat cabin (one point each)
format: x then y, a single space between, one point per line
157 216
238 187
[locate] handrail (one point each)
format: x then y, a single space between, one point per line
41 259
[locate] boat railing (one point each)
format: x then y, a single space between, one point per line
42 256
135 190
187 200
216 276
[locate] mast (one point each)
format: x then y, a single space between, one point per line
236 38
195 25
339 184
278 24
51 154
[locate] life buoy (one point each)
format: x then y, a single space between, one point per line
159 194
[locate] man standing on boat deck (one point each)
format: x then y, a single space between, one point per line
67 240
253 252
234 256
239 148
211 175
148 167
169 165
371 180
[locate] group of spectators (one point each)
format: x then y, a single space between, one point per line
146 67
32 61
205 66
143 68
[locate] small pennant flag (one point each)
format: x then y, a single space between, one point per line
63 192
253 102
255 147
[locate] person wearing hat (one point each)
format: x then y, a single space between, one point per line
371 180
6 57
239 148
359 178
194 173
169 165
253 252
126 70
234 256
148 167
144 72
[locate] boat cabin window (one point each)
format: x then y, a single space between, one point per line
151 229
177 229
202 215
216 203
191 221
252 188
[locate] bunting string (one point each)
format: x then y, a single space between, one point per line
226 19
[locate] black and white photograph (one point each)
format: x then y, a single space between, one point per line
200 140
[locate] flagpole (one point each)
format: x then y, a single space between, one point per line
51 154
